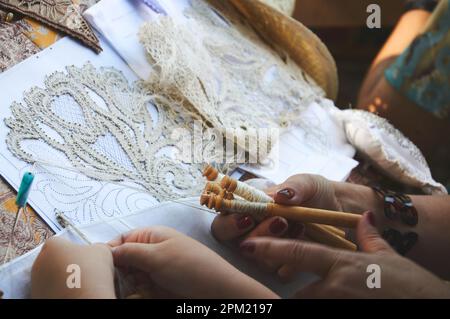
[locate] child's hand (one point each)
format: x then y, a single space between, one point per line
180 266
52 273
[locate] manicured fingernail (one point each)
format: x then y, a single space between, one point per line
243 222
278 226
247 247
371 219
286 193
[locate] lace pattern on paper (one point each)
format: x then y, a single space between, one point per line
14 46
224 71
105 128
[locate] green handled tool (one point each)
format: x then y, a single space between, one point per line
21 202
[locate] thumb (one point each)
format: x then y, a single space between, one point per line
297 190
135 255
368 237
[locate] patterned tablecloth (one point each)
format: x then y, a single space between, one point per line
30 232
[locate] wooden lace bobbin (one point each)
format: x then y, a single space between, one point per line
294 213
335 230
247 192
212 174
215 188
318 233
321 234
233 186
244 190
255 195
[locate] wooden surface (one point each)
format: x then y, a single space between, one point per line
345 13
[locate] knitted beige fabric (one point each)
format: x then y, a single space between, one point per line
222 70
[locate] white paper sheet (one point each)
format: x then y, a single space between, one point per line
302 152
15 276
119 22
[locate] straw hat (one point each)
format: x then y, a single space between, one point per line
302 45
285 6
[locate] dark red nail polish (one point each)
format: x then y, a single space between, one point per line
371 219
243 222
286 193
278 226
247 247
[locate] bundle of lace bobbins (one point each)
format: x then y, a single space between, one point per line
226 195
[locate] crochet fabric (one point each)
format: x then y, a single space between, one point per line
106 129
224 71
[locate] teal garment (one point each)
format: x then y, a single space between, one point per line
422 72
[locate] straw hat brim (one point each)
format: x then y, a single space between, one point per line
300 43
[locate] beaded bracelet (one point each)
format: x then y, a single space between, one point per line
402 243
398 206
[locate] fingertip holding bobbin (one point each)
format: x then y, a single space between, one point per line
210 173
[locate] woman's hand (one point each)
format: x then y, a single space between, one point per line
173 264
55 269
345 274
299 190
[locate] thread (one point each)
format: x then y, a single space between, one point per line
245 191
257 210
234 186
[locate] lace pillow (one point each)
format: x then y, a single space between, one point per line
389 150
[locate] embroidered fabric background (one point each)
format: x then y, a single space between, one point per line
31 231
95 121
40 35
224 72
14 46
63 15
